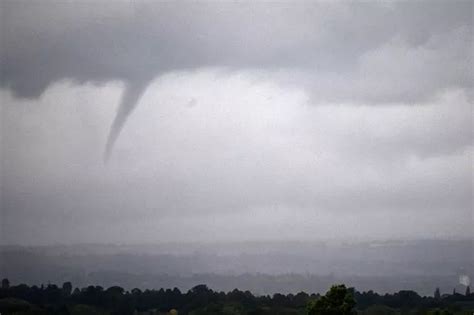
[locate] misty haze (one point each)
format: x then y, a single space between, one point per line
268 147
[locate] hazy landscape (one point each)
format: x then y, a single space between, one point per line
260 267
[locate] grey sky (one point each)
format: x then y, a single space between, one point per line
304 120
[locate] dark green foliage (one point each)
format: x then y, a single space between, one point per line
12 305
437 294
378 310
67 288
339 300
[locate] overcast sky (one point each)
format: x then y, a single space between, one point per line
235 121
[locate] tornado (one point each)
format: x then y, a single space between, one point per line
130 97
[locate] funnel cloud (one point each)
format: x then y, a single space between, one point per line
131 95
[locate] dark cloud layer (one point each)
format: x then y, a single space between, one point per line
47 41
322 45
226 131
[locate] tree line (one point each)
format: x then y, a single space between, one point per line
339 300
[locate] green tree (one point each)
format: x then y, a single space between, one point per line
468 291
339 300
67 288
437 294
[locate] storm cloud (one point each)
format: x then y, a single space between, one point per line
98 42
350 115
368 52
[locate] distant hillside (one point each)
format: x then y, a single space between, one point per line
262 267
